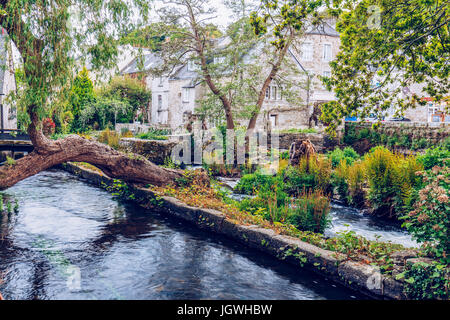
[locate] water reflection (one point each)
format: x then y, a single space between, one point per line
125 252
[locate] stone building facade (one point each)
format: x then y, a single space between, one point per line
318 47
176 96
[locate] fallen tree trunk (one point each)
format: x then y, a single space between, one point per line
130 168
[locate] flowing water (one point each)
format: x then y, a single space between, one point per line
345 218
71 240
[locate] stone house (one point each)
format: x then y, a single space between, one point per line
317 48
432 112
8 113
176 96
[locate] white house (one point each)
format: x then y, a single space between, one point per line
8 113
174 96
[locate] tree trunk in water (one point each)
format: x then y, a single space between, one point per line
48 153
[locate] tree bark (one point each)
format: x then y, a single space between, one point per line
206 74
48 153
262 93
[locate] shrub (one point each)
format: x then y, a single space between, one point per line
340 180
309 212
337 155
404 141
284 155
48 127
425 281
356 181
419 144
437 156
154 134
297 181
390 178
109 137
268 198
251 183
429 222
125 133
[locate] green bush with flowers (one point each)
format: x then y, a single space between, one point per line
429 221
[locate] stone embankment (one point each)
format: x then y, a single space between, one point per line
364 278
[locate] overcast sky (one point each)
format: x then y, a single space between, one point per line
224 14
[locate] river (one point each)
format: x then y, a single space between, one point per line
71 240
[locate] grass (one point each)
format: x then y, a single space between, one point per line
298 130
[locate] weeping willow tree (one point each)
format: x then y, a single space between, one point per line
49 34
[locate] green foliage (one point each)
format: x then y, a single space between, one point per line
429 221
294 130
309 212
425 281
146 37
120 190
7 206
81 95
251 183
418 144
391 179
154 134
347 154
109 137
10 161
169 163
410 37
437 156
129 91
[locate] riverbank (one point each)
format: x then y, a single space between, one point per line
358 276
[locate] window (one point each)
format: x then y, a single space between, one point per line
274 93
192 66
279 95
327 74
185 94
161 82
268 93
307 51
219 60
273 120
327 52
159 102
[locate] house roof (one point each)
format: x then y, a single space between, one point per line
324 29
142 63
152 60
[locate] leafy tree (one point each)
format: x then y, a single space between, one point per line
146 37
236 84
48 34
132 92
82 94
386 46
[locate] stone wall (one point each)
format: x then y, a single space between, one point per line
408 135
358 276
154 150
321 141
